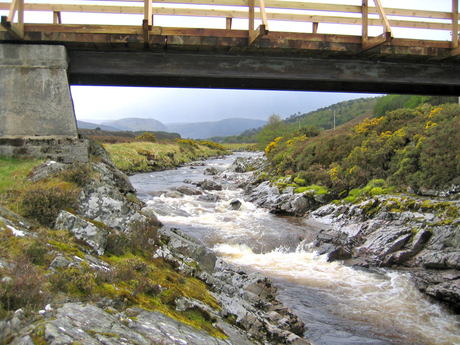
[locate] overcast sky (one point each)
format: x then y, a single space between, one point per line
170 105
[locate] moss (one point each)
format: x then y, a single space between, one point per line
67 248
376 191
371 207
105 334
38 335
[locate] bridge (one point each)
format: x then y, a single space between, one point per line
361 46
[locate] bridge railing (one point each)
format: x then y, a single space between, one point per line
253 11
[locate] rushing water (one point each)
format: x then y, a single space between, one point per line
339 304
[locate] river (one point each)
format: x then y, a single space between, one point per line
339 304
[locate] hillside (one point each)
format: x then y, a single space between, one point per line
225 127
138 124
324 117
415 148
90 125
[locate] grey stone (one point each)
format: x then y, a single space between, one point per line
95 236
46 170
188 190
60 261
186 247
235 204
111 176
27 340
209 185
107 205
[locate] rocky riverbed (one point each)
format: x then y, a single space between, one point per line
415 232
248 310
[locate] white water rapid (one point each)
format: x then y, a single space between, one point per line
339 304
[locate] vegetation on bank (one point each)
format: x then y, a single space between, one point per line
417 146
136 278
147 156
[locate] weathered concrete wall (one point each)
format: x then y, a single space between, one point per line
35 97
59 150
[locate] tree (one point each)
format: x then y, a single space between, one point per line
273 129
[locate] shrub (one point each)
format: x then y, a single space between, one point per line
44 204
143 236
77 173
147 137
25 287
73 280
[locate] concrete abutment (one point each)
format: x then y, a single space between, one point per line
37 116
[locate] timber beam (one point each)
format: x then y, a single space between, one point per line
261 72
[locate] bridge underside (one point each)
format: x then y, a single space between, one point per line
212 58
243 71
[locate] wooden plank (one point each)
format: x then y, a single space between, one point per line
233 14
309 6
84 29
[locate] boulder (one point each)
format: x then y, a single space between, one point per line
106 204
111 176
209 185
83 230
186 248
235 204
188 190
46 170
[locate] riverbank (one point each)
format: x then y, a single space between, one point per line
408 232
137 157
101 268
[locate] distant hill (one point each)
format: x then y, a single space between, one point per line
138 124
195 130
89 125
203 130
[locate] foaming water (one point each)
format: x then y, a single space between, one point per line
387 300
339 304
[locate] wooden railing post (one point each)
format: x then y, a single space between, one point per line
16 29
255 35
228 23
147 23
387 35
454 24
57 17
365 17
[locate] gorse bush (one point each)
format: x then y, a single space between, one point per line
147 137
406 147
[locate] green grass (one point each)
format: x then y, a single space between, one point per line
14 172
144 156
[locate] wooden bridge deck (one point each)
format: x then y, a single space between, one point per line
310 16
319 54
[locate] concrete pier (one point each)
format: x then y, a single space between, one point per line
36 107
